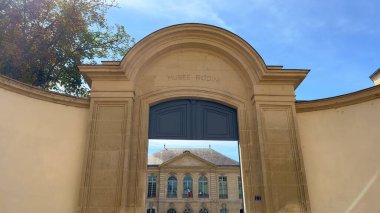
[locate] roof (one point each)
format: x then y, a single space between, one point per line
207 154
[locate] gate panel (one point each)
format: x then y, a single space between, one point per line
192 120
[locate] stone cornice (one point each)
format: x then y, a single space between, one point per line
291 76
37 93
103 72
339 101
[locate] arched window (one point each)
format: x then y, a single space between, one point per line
203 210
202 187
172 187
224 210
187 187
152 185
171 211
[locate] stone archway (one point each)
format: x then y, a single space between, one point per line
200 62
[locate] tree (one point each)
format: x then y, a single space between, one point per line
43 41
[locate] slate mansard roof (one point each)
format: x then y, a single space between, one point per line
207 154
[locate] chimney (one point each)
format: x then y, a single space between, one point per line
375 77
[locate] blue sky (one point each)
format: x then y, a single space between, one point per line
339 40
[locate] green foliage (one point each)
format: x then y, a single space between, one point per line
43 41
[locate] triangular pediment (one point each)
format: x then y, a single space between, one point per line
187 160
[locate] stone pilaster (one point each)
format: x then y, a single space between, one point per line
281 156
103 174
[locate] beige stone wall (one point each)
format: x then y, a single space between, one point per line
192 67
42 146
341 157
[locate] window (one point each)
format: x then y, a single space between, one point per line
223 193
203 211
240 187
187 187
172 187
187 210
224 210
203 187
150 211
171 211
152 185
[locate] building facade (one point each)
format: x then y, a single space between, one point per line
197 180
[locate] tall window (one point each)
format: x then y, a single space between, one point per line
171 211
187 186
224 210
151 210
152 186
172 187
223 193
240 187
202 187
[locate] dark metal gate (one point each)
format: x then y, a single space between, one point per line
192 120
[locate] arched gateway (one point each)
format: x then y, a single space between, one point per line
193 61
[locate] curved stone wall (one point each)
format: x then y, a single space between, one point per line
340 139
43 136
42 146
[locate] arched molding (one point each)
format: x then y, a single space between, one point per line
200 36
222 41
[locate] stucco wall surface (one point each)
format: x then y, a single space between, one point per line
42 146
341 156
